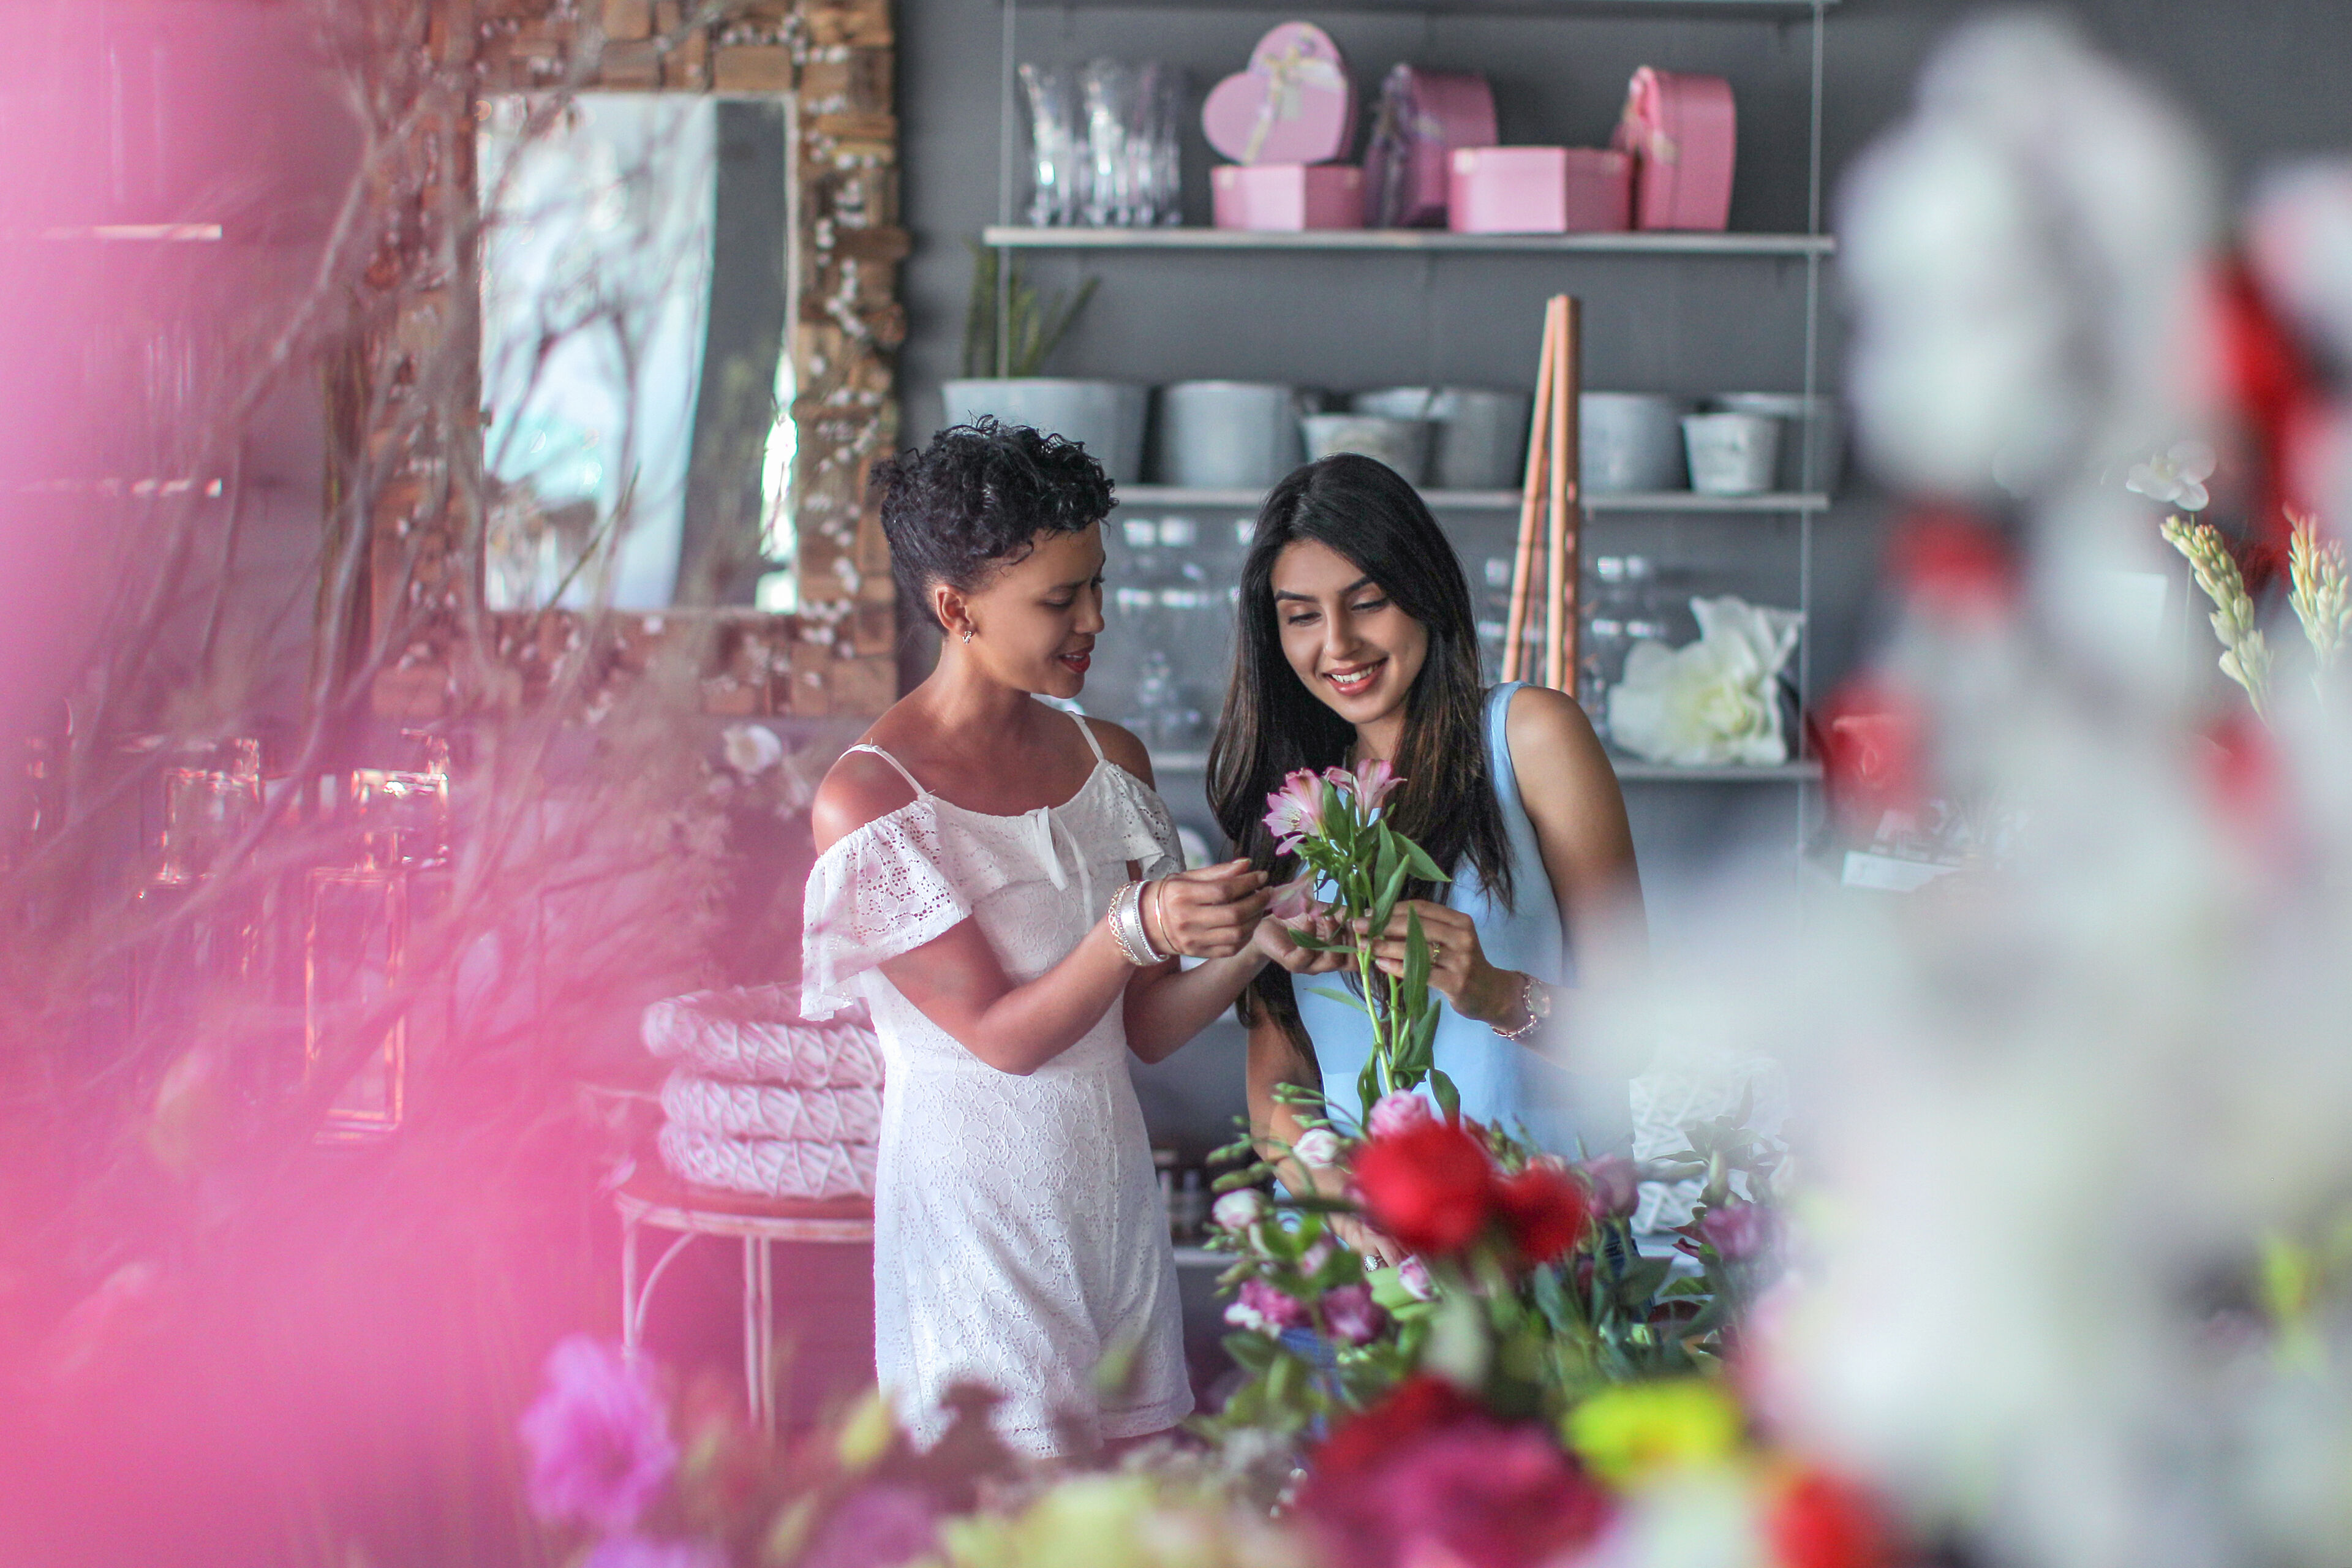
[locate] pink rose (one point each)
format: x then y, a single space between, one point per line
1616 1184
1736 1231
1352 1316
1295 812
1273 1309
1398 1112
1413 1275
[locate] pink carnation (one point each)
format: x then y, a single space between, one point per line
1398 1112
1295 812
1276 1310
1616 1184
1736 1231
1352 1316
600 1444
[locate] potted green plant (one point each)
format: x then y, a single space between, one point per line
1002 361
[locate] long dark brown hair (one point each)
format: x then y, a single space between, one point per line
1272 725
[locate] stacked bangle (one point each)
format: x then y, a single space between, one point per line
1127 929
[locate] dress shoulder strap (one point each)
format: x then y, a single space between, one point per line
912 781
1500 767
1089 731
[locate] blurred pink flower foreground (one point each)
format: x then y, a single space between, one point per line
598 1439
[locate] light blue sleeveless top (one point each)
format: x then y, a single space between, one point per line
1502 1082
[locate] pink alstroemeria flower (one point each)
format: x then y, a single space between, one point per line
1295 812
1370 784
1295 907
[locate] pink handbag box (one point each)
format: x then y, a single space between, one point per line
1422 117
1683 132
1289 197
1539 190
1295 104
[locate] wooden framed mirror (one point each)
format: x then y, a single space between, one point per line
645 307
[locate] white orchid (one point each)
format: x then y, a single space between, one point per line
1712 701
2176 476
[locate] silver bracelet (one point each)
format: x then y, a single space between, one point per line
1127 926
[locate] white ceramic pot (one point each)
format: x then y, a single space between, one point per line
1732 454
1402 444
1822 436
1481 436
1629 441
1106 418
1227 435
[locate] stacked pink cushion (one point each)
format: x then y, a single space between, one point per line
762 1102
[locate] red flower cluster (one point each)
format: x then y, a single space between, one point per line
1432 1187
1427 1476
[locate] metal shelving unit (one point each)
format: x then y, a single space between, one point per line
1811 248
1628 770
1008 236
1503 501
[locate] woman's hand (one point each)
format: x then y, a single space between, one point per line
1376 1250
1458 969
1212 912
1276 942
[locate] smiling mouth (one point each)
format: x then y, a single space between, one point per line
1079 661
1354 682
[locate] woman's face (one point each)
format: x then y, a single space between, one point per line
1350 643
1034 622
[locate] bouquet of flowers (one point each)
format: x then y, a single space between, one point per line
1332 822
1523 1285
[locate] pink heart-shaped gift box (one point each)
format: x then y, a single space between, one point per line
1295 104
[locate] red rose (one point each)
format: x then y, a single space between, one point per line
1822 1522
1545 1211
1430 1186
1413 1408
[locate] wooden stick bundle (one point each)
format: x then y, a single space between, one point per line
1553 495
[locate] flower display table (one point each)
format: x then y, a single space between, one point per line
653 1197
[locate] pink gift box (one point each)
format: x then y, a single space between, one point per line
1539 190
1422 117
1289 197
1683 132
1295 104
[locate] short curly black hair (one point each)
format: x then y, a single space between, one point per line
974 500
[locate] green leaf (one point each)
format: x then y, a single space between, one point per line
1427 869
1336 994
1641 1280
1449 1099
1392 889
1251 1352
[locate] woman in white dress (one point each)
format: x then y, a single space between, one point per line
975 887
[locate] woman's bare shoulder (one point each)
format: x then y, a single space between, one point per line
1122 747
859 788
1553 745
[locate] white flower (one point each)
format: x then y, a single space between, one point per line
1242 1315
1317 1148
1711 701
752 749
2176 476
1239 1209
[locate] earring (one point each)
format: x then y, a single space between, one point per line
968 631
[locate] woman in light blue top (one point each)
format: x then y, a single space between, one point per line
1357 642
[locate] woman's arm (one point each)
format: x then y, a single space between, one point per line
1167 1006
955 980
1579 812
1276 1060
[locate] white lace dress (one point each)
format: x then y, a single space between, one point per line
1018 1234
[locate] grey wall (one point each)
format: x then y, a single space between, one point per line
2265 79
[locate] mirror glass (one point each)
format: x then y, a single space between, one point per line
637 300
